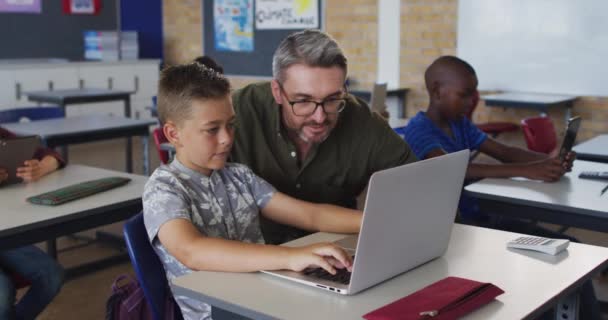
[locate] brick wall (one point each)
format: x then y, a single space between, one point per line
428 30
182 31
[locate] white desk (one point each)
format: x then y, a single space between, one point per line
570 201
83 129
24 223
398 122
536 101
532 282
595 149
66 97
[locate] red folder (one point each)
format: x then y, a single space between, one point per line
445 299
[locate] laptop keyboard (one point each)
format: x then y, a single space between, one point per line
341 276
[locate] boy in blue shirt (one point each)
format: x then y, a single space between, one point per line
444 128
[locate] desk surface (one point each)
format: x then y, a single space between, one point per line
595 149
532 282
76 125
20 217
570 193
398 122
59 96
528 98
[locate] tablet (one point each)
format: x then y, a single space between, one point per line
14 152
570 136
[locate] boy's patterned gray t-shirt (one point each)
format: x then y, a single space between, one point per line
224 205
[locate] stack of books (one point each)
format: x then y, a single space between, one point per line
103 45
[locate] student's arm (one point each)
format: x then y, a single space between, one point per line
35 169
509 154
312 216
549 169
198 252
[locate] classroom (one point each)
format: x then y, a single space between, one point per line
87 86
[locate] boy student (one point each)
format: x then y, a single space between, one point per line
444 128
305 134
31 263
201 213
452 87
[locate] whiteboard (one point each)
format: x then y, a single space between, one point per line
544 46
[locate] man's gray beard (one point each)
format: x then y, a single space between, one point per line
305 139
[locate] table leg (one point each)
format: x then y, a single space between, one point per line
128 148
51 248
567 308
146 159
401 99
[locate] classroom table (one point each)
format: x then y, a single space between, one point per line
79 96
571 201
533 282
536 101
89 128
23 223
595 149
399 93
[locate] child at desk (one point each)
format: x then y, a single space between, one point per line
44 273
452 87
201 213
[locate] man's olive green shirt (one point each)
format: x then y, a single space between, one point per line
336 171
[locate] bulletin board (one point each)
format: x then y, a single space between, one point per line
254 57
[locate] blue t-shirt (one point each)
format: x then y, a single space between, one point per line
423 136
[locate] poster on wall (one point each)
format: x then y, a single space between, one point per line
286 14
27 6
233 25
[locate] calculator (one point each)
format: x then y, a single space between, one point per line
545 245
595 175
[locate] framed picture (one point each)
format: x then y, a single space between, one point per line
81 6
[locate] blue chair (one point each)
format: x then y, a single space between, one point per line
148 268
31 113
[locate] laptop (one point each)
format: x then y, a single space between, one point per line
14 152
407 221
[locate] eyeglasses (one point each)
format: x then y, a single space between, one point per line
304 108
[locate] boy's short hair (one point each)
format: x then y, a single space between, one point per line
180 84
207 61
446 63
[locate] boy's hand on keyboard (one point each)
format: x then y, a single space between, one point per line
323 255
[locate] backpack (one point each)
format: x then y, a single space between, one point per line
128 302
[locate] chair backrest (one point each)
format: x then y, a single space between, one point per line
159 138
148 268
540 134
31 113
